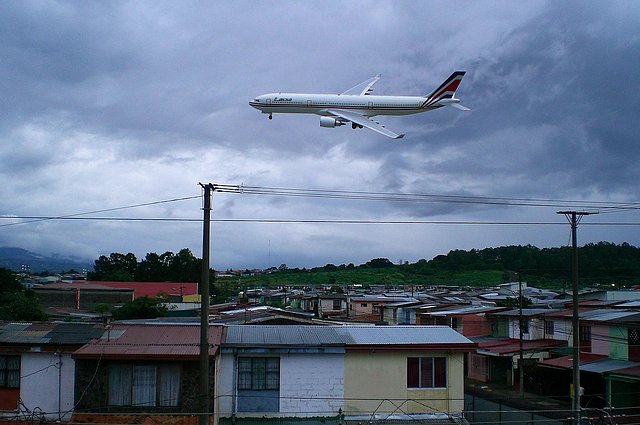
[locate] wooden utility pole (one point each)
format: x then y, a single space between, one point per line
204 307
574 217
521 366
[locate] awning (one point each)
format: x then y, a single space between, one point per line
566 362
608 365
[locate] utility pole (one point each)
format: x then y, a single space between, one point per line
574 218
204 306
521 366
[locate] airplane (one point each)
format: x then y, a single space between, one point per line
357 105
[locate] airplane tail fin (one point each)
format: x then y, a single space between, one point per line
445 94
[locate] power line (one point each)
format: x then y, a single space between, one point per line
35 219
75 217
601 206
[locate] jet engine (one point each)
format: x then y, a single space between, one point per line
330 122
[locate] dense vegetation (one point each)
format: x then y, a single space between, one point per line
599 264
16 302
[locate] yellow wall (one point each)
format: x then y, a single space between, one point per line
377 381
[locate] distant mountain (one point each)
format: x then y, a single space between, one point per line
17 258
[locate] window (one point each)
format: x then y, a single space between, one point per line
144 385
525 325
585 333
9 371
495 327
337 304
426 372
258 373
549 327
633 342
454 322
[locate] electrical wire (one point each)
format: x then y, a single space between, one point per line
600 206
36 219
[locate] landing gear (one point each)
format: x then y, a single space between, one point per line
270 116
354 125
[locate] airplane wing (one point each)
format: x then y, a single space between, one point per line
365 122
362 88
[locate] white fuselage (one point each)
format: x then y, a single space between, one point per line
321 104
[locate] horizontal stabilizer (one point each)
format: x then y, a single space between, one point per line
459 106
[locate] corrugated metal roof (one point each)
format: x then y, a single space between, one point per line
403 335
606 315
629 371
527 312
307 336
607 365
566 362
501 346
49 333
466 310
135 340
266 335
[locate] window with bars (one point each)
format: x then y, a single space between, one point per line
258 373
549 328
426 372
9 371
144 384
585 333
633 343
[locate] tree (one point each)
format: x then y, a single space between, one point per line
118 267
21 306
379 263
185 267
8 282
141 308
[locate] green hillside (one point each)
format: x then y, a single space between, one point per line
599 264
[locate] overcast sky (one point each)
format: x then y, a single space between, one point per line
111 104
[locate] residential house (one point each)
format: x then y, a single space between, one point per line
609 357
149 370
350 370
401 313
470 321
36 368
498 356
332 305
369 307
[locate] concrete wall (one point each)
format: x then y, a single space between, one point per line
600 339
47 384
377 381
311 384
618 342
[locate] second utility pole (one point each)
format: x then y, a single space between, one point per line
574 217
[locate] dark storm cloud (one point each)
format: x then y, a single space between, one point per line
118 103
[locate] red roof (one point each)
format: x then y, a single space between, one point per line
510 346
566 362
125 341
149 289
